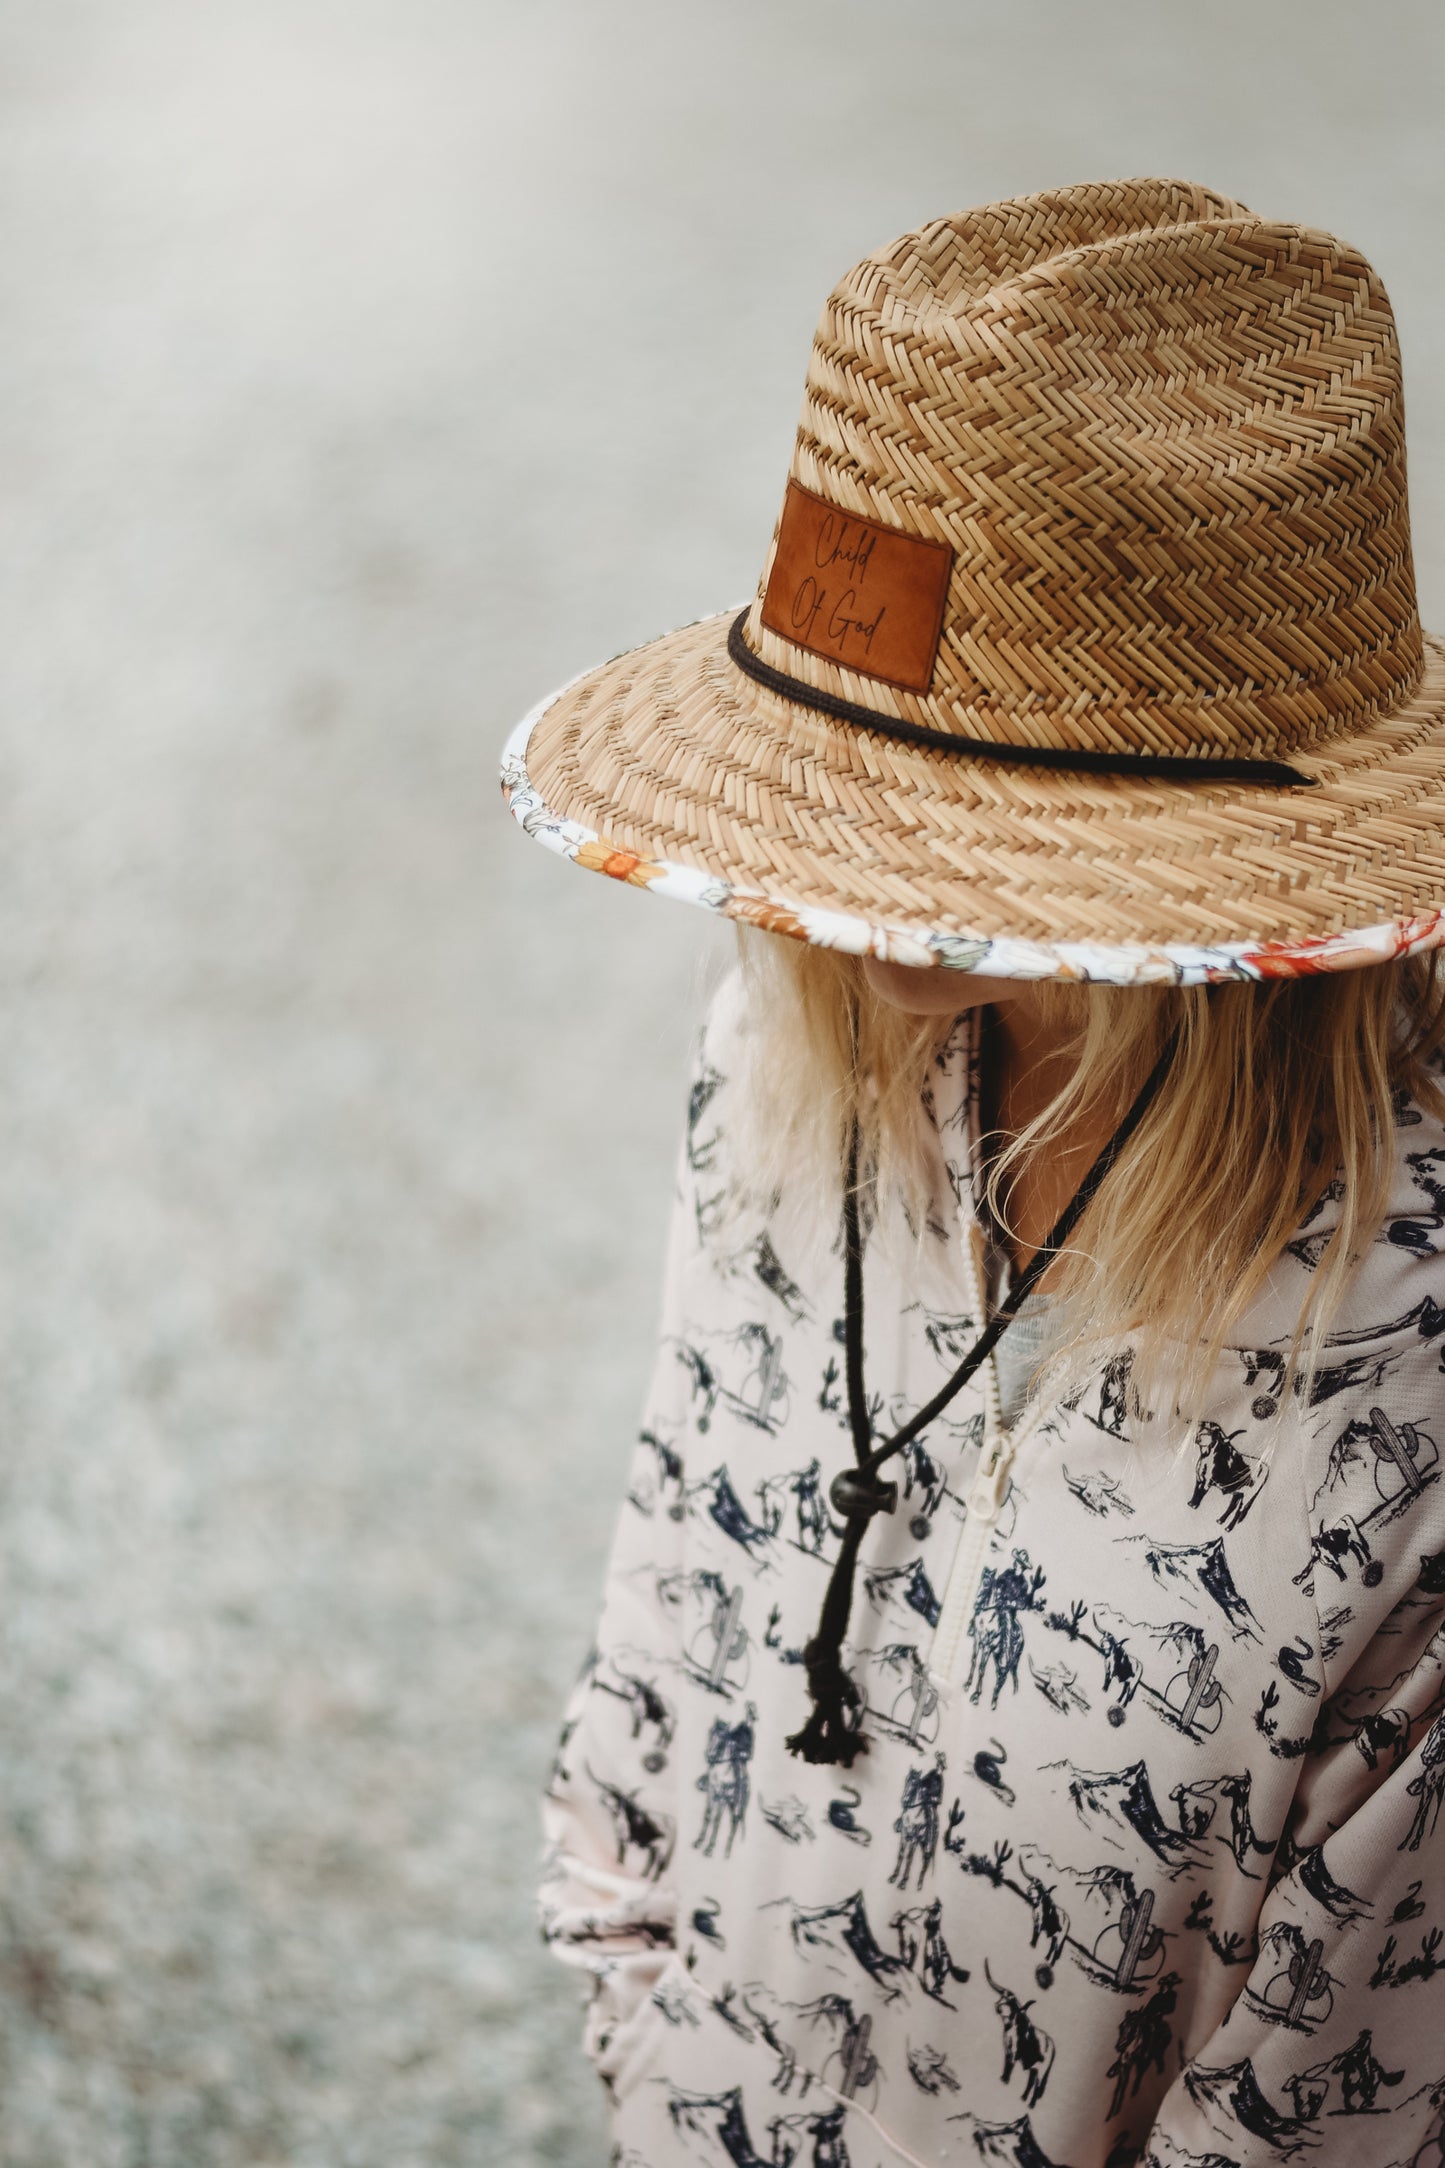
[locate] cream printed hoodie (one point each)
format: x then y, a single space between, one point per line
1144 1861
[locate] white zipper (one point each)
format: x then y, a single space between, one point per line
977 1250
985 1494
985 1498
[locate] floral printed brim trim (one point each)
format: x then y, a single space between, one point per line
1170 963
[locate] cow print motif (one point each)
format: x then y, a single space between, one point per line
1142 1868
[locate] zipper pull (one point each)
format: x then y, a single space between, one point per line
986 1492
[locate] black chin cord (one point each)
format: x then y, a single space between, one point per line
833 1731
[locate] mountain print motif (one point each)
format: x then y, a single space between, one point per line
1145 1861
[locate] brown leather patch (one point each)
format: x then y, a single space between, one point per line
857 592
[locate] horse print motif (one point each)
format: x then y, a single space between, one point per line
1222 1467
1139 1865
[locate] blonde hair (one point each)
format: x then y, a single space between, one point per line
1279 1097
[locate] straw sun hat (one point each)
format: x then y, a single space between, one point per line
1087 643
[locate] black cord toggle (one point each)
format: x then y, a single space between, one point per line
857 1490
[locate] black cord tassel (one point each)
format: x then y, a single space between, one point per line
833 1731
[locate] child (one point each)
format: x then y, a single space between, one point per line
1014 1730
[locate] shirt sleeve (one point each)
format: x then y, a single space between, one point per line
609 1815
1334 2051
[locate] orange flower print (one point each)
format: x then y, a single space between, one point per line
1340 952
600 856
772 917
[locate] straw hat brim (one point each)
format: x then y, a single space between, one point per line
669 769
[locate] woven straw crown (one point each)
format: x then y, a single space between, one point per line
1105 476
1165 443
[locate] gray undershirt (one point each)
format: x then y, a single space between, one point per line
1025 1341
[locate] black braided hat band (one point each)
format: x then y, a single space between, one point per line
1171 767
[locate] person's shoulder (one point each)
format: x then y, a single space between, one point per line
752 1200
717 1093
1400 1287
722 1024
1399 1278
717 1055
1417 1155
1384 1337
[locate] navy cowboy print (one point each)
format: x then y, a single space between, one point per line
1143 1863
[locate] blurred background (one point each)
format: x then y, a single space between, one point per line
368 367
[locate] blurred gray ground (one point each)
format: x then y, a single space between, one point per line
367 367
